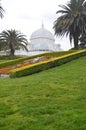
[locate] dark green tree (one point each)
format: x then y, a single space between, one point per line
72 22
82 44
13 40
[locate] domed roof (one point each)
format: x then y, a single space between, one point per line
42 33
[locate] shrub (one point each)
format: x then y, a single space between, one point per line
31 69
18 60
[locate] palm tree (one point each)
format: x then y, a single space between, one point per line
83 41
72 22
12 40
2 46
1 11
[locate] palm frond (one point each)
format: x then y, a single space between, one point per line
14 39
72 22
1 11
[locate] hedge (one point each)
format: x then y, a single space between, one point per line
18 60
31 69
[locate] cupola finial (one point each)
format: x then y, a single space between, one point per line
42 24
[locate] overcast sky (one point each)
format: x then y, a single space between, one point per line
27 16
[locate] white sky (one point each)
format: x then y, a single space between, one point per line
27 15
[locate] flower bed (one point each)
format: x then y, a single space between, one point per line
6 70
13 61
39 63
44 65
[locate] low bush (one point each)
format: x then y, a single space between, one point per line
31 69
15 60
6 57
11 62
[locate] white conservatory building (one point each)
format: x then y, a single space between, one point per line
43 40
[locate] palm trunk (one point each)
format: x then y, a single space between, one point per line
75 42
11 49
12 52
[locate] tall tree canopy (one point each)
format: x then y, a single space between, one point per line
12 40
83 41
72 22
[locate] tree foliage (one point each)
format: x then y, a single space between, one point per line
13 40
83 41
72 22
1 11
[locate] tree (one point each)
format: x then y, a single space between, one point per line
1 11
72 22
1 15
12 40
82 44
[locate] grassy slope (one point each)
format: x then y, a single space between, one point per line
54 99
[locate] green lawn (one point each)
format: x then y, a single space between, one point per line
6 58
51 100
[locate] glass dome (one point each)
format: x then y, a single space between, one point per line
42 33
